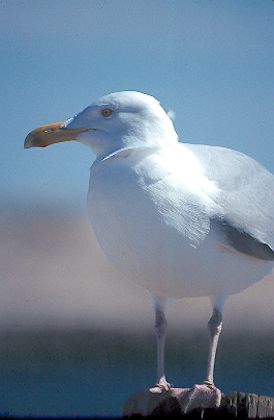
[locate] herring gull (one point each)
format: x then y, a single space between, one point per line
182 220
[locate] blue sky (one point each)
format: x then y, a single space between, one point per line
210 61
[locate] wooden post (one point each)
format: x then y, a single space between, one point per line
237 405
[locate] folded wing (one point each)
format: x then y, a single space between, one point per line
246 199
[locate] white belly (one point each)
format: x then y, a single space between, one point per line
144 244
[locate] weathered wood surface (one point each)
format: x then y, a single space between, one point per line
234 405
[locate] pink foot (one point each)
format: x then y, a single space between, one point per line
161 386
200 396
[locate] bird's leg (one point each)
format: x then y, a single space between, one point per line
214 328
206 395
161 332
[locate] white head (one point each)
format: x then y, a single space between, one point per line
116 121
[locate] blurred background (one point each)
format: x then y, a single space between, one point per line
75 338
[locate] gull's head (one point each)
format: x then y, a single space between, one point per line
116 121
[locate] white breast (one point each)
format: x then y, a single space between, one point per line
153 225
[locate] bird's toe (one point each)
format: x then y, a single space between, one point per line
161 386
201 396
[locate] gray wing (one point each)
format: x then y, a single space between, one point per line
246 199
242 241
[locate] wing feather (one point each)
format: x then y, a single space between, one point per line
246 198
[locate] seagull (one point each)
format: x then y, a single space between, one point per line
182 220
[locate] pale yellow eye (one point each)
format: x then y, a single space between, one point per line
106 112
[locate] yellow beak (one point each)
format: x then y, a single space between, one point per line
50 134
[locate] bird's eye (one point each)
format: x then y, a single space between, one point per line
106 112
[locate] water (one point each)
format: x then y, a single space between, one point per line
85 373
